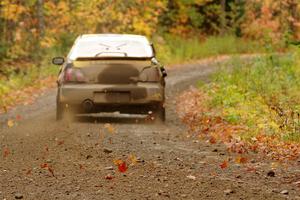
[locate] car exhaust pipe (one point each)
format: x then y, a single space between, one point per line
88 105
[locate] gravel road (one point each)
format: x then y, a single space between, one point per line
45 159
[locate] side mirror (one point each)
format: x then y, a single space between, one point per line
154 61
58 60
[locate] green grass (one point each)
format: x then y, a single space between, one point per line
176 50
263 94
19 78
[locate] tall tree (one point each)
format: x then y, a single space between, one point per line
223 17
40 15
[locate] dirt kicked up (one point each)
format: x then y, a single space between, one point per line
97 158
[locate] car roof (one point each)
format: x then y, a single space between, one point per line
112 37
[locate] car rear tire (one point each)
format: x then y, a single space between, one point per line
161 114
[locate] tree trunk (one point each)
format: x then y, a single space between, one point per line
1 22
41 20
41 29
223 17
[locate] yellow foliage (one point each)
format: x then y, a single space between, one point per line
12 11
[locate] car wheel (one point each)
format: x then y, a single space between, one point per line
161 114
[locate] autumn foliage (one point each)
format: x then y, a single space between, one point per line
27 28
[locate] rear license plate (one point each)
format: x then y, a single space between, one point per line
111 97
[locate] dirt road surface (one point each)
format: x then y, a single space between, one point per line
44 159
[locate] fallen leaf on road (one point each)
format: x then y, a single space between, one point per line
241 160
214 174
224 164
60 142
118 162
51 171
132 158
109 128
6 152
10 123
18 117
81 167
122 166
213 140
109 177
46 166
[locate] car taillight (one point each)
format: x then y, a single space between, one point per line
150 74
73 75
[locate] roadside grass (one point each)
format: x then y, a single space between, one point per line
173 50
263 94
30 77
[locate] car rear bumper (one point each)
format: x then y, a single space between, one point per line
100 94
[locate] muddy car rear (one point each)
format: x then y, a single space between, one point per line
114 79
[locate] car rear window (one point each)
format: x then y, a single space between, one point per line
107 48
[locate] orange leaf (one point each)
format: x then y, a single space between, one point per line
133 159
44 165
109 177
10 123
109 128
241 160
5 152
18 117
123 167
224 164
213 140
51 171
118 162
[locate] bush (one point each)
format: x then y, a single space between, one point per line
262 94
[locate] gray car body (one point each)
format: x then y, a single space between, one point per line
111 83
